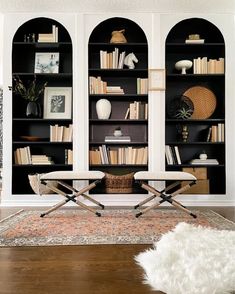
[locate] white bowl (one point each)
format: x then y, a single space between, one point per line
183 65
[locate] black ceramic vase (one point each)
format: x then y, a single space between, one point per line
33 109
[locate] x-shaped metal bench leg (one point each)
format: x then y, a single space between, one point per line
73 197
164 197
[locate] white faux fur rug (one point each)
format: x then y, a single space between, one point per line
191 260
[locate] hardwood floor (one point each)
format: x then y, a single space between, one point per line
75 269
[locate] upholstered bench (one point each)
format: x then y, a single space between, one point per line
59 177
176 177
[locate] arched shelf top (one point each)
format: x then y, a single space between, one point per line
207 30
41 25
103 31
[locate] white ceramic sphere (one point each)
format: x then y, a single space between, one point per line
183 65
103 109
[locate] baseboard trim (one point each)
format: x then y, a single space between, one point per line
113 200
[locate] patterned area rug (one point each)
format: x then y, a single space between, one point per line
79 227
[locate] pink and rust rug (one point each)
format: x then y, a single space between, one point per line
79 227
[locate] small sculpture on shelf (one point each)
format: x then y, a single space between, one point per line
183 65
118 37
185 133
203 155
117 132
130 59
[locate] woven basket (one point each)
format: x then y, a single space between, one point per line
204 101
37 187
119 184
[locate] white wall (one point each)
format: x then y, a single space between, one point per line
1 47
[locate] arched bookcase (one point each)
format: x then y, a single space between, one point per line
34 39
106 74
204 85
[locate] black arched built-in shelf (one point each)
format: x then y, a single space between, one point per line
34 132
135 128
198 140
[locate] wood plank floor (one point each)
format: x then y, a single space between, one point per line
75 269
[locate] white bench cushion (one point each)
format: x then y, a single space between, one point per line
73 175
164 176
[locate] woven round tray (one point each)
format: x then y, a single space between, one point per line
204 102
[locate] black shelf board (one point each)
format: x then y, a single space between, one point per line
98 44
118 165
123 121
41 165
55 75
118 70
208 120
119 96
40 143
118 143
24 119
195 44
42 44
190 75
195 165
195 143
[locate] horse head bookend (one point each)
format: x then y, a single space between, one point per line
129 60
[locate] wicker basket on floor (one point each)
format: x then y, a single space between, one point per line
119 183
37 187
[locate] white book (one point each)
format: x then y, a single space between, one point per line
177 154
206 161
199 41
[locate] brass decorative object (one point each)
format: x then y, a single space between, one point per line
118 37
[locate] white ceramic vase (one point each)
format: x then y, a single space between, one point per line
103 109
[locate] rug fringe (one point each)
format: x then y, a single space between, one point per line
9 216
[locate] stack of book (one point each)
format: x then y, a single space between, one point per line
119 155
61 133
41 159
172 155
49 38
97 86
112 60
68 156
204 161
114 90
137 110
117 139
142 86
202 65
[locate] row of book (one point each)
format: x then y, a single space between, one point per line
142 86
61 133
137 110
97 86
172 155
23 156
202 65
49 38
112 60
120 155
216 133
